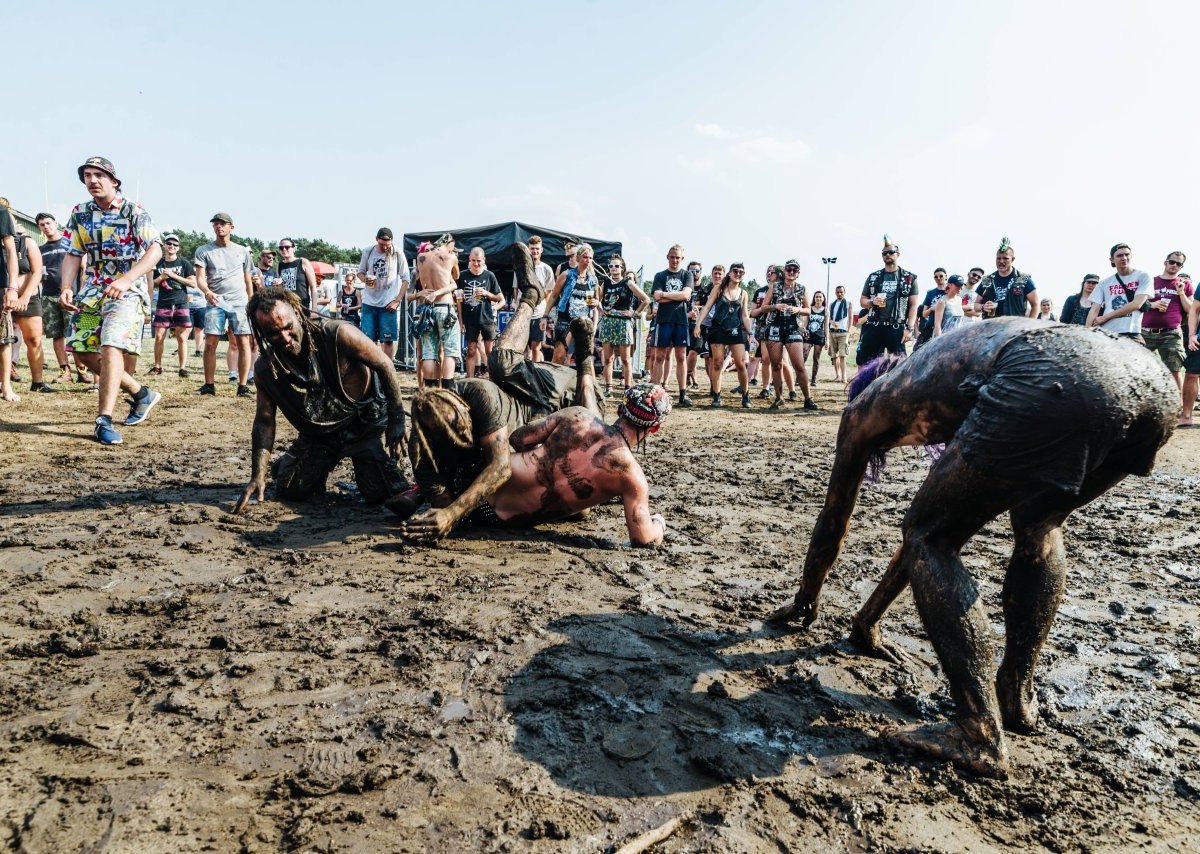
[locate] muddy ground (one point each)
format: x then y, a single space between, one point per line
173 677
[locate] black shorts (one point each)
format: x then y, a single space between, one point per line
699 343
877 338
302 470
1191 364
34 309
487 331
562 329
543 386
726 337
816 339
1054 409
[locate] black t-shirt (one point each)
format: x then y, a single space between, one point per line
348 305
173 294
8 228
675 311
700 293
491 407
477 310
291 276
896 287
618 296
926 323
52 258
1010 296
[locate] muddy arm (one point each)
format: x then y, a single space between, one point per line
361 348
531 435
262 439
854 449
434 524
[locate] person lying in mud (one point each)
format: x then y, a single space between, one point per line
473 464
337 389
1037 420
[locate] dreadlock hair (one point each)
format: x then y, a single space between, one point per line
264 302
866 375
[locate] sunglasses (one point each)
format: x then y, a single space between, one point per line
791 269
1174 263
889 252
170 243
282 247
738 271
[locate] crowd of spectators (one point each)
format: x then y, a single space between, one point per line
686 321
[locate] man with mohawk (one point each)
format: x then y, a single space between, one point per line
1007 292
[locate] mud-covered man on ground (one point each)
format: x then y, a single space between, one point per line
478 468
1091 410
337 389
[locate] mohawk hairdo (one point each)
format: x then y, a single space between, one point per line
444 240
1005 245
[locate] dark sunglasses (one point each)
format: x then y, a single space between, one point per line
791 268
889 252
282 247
1174 263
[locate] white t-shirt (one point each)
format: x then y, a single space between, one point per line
389 272
1110 296
968 299
546 277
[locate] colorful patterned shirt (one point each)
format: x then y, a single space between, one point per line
113 241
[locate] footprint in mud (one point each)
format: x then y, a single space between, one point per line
328 768
70 817
617 710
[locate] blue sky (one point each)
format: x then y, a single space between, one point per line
753 131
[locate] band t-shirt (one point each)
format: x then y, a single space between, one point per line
225 269
292 278
52 257
760 322
1111 295
1011 299
896 290
700 294
478 310
173 294
1173 316
674 311
926 323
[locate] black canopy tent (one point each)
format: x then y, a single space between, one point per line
497 242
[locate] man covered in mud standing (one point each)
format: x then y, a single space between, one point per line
337 389
489 473
1092 410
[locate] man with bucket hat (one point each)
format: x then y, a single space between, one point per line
122 246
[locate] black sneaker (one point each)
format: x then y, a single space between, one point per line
792 395
754 381
244 391
208 388
765 393
685 401
183 373
746 401
716 401
42 388
811 404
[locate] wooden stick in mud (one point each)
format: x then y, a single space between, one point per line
651 837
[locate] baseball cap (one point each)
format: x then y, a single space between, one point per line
956 280
167 238
791 262
221 216
383 234
101 163
1091 277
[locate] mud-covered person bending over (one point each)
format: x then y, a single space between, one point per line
459 445
1038 420
337 389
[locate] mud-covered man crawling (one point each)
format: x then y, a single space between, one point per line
337 389
480 459
1037 420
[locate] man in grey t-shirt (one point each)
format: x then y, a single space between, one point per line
223 276
384 270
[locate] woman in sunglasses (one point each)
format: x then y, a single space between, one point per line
617 311
815 342
786 307
730 330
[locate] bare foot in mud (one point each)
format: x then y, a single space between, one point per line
872 642
11 397
1018 707
950 741
803 612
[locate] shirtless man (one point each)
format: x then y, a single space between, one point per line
337 389
437 276
546 471
1083 428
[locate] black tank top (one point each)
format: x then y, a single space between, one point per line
618 296
291 276
727 313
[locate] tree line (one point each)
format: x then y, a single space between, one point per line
312 248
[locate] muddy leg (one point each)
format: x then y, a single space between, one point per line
582 330
516 334
1033 588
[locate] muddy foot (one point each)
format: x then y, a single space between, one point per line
950 741
1018 707
872 642
803 612
527 281
582 330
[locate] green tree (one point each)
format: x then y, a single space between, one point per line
314 249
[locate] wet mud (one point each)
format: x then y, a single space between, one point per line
173 677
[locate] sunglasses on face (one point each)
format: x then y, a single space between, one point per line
1173 262
791 269
889 252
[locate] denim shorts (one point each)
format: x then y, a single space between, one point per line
197 316
219 318
442 341
379 324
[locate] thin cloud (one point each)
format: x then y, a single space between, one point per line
710 129
771 149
